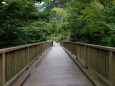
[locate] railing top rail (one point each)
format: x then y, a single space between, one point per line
95 46
18 47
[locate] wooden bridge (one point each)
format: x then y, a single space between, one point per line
54 64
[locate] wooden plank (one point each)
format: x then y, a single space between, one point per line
4 69
94 46
99 58
1 70
113 68
19 47
15 59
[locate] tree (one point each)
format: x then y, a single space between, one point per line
20 14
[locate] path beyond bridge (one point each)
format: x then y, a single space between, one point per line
57 69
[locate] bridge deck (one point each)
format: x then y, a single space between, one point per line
57 69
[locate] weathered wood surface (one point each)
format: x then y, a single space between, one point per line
57 69
100 59
14 60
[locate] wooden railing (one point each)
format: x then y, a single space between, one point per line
98 58
14 60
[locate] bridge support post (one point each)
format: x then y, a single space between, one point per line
4 68
41 48
86 63
110 68
28 56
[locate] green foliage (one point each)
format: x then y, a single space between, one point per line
91 21
35 32
22 23
112 41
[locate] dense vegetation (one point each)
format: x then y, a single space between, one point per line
88 21
22 23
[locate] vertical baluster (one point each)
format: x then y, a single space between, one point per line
4 69
28 58
86 58
110 68
113 68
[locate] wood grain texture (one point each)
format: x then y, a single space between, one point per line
96 57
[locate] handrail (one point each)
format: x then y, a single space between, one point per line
16 59
100 59
18 47
95 46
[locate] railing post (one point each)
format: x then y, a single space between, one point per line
4 69
52 43
110 68
86 64
37 50
28 56
41 48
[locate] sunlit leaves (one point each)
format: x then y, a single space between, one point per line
60 12
96 5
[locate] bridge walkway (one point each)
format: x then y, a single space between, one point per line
57 69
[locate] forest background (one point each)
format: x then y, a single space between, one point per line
30 21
